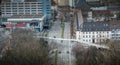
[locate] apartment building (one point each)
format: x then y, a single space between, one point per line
94 32
115 29
20 7
27 13
94 23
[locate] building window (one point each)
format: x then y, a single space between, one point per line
14 10
83 40
113 34
33 3
8 13
86 40
39 3
93 40
103 36
89 33
21 8
89 36
8 10
27 11
20 5
33 6
89 40
83 32
27 5
83 36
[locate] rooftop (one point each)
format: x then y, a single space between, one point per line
19 0
95 26
114 24
82 4
114 8
27 16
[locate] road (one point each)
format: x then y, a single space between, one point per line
65 57
64 47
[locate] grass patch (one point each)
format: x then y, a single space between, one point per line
46 34
62 32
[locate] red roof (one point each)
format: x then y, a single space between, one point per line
20 25
16 25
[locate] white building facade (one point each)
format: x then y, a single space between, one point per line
115 35
93 36
94 32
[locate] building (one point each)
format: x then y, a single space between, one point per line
93 24
104 2
80 7
96 13
62 2
111 2
33 9
100 14
115 35
94 2
14 7
94 32
115 29
33 22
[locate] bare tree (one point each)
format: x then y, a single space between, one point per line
3 40
24 49
98 56
112 56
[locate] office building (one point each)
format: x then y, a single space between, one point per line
29 11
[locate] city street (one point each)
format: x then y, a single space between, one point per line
64 48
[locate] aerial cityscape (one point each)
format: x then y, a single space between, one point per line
59 32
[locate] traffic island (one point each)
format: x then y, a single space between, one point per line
62 32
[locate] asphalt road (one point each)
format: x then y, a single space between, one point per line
65 56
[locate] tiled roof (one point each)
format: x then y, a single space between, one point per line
114 24
114 8
82 4
95 26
